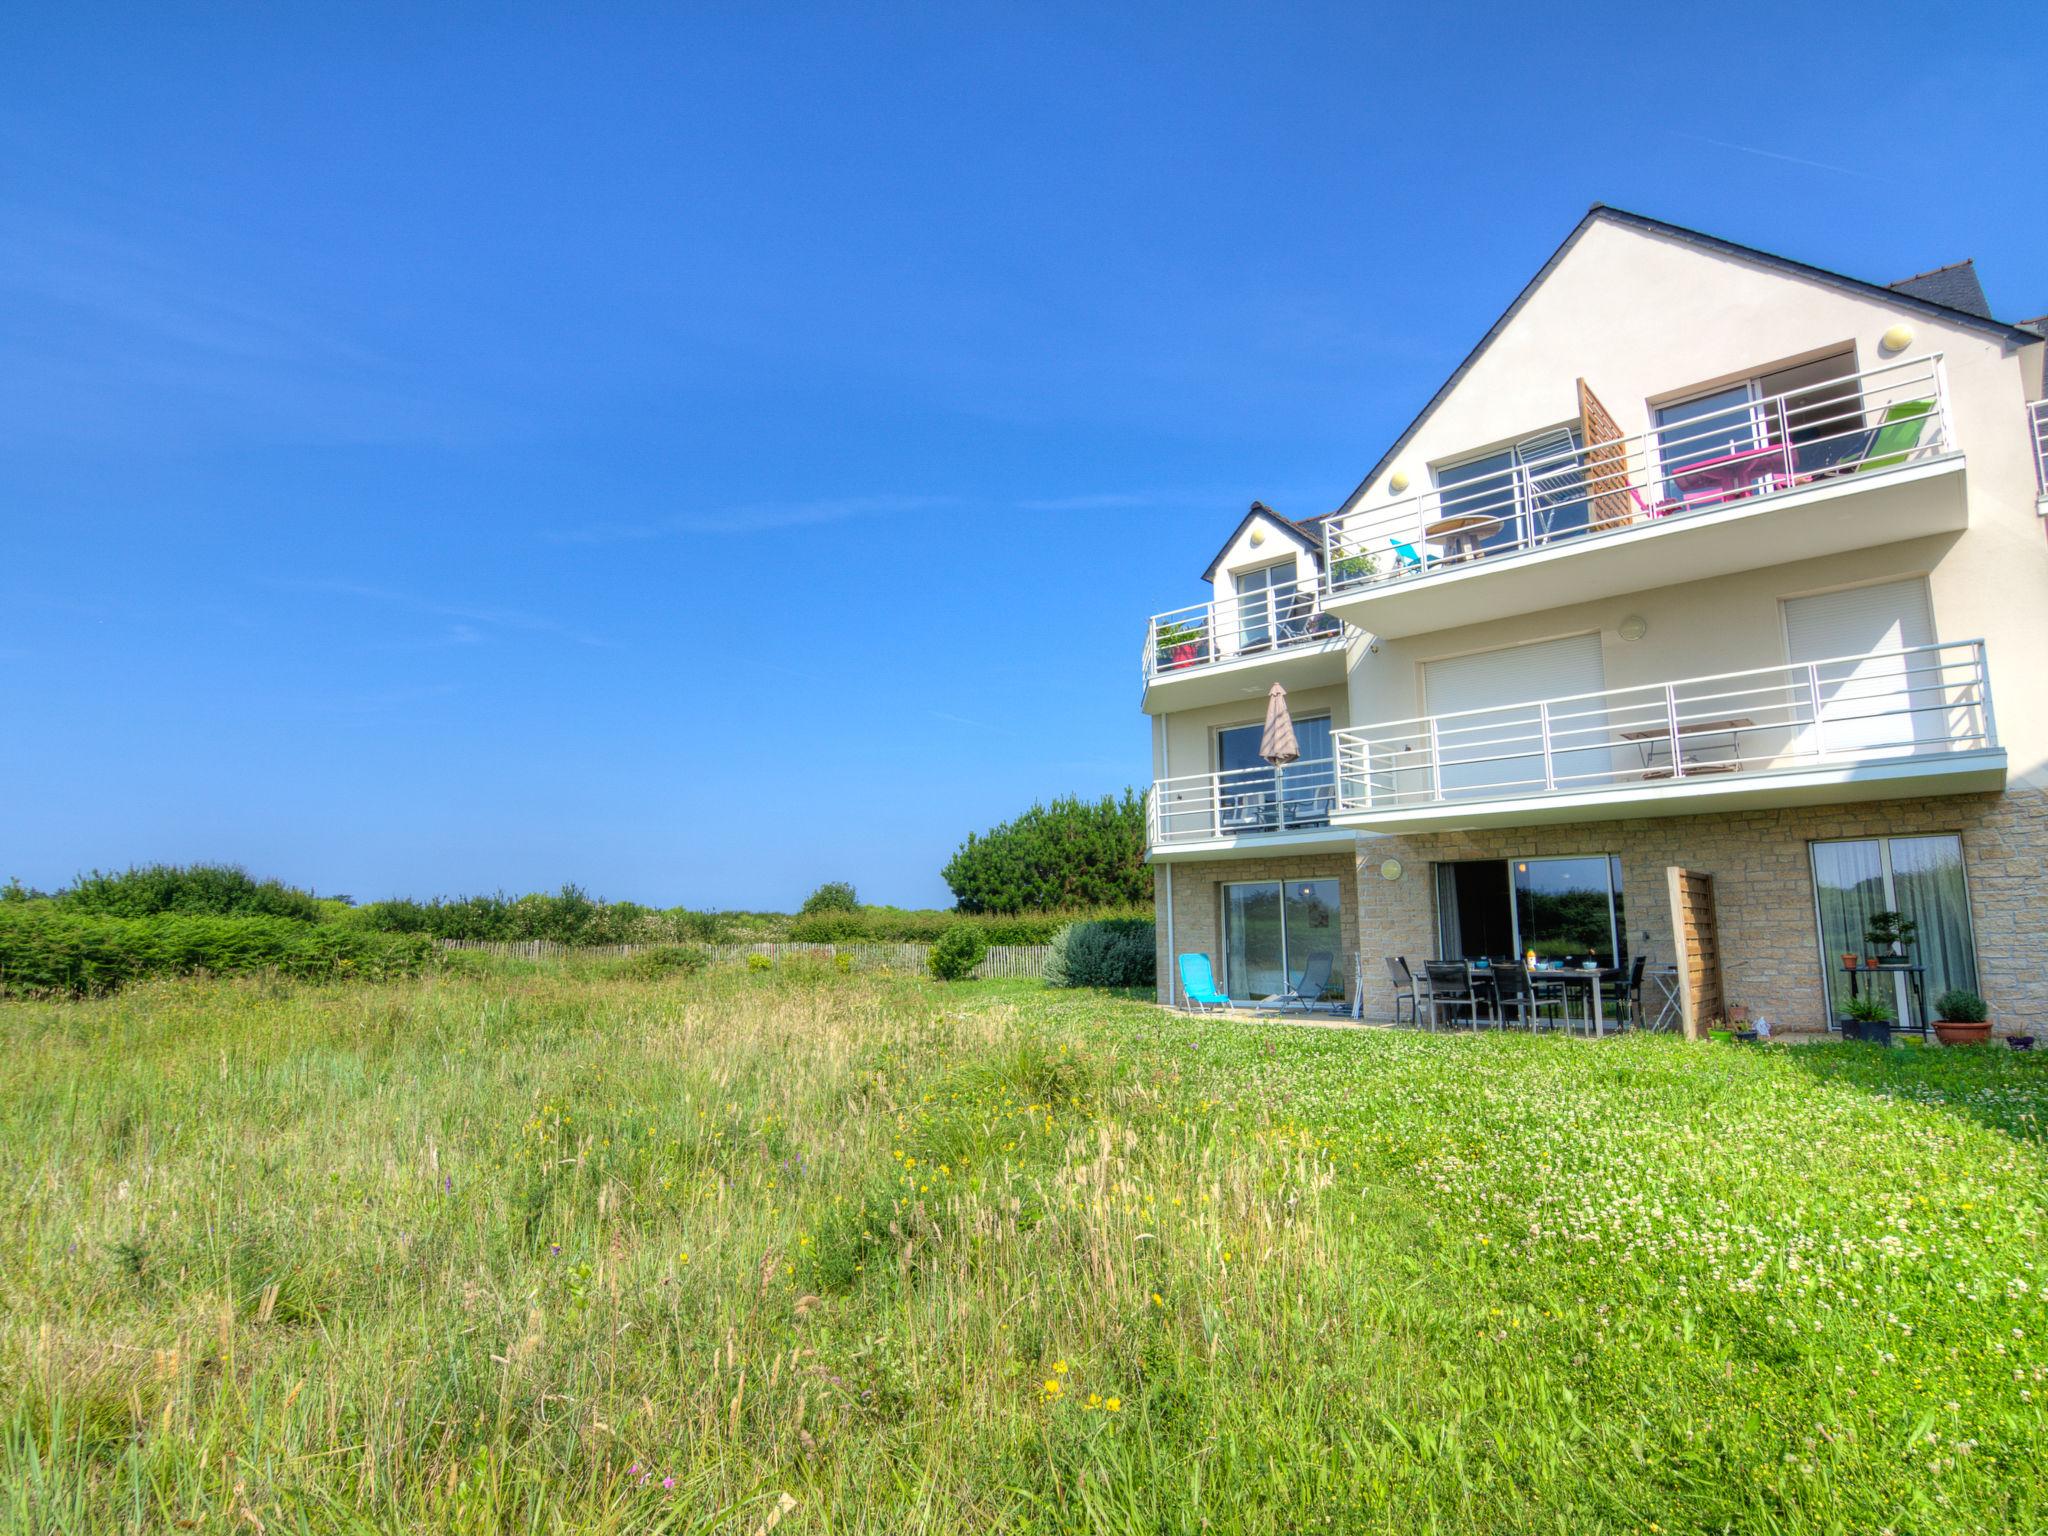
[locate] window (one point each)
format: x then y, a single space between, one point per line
1492 744
1795 421
1271 929
1919 876
1518 496
1254 796
1264 598
1563 909
1886 703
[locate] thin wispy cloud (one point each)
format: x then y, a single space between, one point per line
472 623
1772 154
755 517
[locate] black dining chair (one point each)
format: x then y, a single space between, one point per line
1627 995
1513 994
1450 991
1405 989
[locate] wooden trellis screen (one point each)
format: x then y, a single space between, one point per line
1606 463
1699 949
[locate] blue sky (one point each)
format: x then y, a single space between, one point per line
702 453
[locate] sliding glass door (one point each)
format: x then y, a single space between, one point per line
1563 909
1271 928
1919 876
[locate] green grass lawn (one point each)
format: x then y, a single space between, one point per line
556 1249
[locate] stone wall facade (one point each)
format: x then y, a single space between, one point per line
1763 887
1198 908
1763 890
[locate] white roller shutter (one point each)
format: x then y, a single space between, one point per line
1887 703
1497 751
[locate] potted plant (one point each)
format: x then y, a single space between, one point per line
1353 568
1961 1018
1890 935
1180 645
1868 1017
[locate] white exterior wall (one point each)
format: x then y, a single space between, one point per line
1183 742
1644 318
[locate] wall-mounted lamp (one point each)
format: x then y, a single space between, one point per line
1258 537
1398 481
1390 870
1634 627
1897 339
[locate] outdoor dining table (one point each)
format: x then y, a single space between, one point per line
1571 976
1462 534
1733 475
1730 728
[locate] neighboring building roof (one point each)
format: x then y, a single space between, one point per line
1287 525
1977 319
1954 286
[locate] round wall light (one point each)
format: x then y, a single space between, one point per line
1258 537
1398 481
1391 870
1897 339
1634 627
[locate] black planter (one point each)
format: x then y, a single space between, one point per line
2020 1042
1866 1031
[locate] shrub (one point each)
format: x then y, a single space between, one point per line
1116 952
959 950
667 960
760 963
1055 972
832 896
1959 1005
45 948
1071 853
199 890
1868 1009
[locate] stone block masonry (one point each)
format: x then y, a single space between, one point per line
1198 907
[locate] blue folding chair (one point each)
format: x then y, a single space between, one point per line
1198 985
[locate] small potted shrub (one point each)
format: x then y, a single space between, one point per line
1868 1017
1353 568
1890 935
1180 645
1961 1018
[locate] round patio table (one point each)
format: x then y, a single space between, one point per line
1461 535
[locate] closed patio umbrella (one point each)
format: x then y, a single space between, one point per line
1278 745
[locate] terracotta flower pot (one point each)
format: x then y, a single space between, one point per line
1961 1034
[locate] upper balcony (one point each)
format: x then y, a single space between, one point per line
1910 722
1245 812
1237 647
1721 485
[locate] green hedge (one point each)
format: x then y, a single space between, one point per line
194 890
45 949
895 925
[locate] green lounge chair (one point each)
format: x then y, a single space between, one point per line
1198 985
1898 435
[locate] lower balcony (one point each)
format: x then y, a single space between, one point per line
1882 726
1246 812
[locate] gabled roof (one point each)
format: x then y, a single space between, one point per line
1286 525
1601 213
1954 286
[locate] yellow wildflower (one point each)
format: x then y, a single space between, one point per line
1114 1405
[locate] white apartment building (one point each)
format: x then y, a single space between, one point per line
1703 563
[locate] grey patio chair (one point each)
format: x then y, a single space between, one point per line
1450 991
1405 989
1513 994
1308 987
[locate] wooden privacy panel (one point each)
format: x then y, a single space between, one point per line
1699 949
1609 502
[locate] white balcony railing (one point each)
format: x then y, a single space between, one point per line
1926 699
1853 425
1231 628
2037 422
1201 807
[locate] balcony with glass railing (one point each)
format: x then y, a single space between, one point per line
1247 810
1210 653
1853 461
1916 721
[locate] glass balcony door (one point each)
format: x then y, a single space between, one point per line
1254 796
1919 876
1271 929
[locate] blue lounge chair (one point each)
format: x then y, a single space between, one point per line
1198 985
1409 556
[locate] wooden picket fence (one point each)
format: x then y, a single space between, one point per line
1003 960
